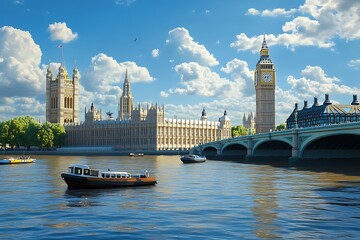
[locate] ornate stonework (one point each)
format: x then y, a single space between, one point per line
265 83
62 96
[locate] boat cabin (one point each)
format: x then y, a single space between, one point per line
85 170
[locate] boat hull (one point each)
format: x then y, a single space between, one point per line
192 161
94 182
16 161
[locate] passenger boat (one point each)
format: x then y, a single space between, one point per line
17 160
136 154
82 176
192 158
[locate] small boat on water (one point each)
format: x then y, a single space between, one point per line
192 158
136 154
17 160
82 176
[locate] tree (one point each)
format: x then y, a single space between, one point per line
59 134
239 131
45 136
281 127
31 134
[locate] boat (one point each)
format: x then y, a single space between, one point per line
17 160
136 154
82 176
192 158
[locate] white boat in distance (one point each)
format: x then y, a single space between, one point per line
192 158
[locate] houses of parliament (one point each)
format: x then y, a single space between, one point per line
135 128
145 127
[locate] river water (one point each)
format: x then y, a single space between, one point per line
211 200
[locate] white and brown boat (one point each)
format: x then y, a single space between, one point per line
82 176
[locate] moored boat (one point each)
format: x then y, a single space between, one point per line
192 158
82 176
17 160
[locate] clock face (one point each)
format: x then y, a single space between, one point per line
266 77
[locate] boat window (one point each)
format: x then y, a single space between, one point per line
78 171
103 174
94 172
71 170
107 175
118 175
113 175
86 172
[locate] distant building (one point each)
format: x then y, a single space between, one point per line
62 96
249 121
144 128
325 114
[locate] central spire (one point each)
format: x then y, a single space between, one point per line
264 45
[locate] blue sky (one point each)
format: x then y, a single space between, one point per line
187 55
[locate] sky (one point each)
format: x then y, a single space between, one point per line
186 55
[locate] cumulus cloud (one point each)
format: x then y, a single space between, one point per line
271 13
124 2
196 79
200 80
253 11
155 53
191 50
60 32
355 63
22 82
315 82
102 81
321 22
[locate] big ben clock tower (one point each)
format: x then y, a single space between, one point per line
265 82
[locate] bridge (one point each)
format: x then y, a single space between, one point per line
338 141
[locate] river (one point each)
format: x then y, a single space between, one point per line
211 200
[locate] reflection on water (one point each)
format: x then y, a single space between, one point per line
211 200
265 194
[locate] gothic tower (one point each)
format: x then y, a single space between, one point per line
62 96
265 82
126 101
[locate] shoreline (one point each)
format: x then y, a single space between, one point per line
90 152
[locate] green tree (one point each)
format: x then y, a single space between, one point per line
45 136
281 127
31 134
239 131
59 134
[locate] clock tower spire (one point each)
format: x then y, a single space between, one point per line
264 81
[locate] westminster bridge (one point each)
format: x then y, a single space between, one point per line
338 141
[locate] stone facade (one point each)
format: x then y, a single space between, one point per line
265 82
144 128
326 114
62 96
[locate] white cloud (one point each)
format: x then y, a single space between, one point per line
164 94
155 53
354 63
253 11
200 80
193 51
103 80
22 82
124 2
321 22
60 32
316 83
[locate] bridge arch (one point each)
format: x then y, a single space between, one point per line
236 150
209 151
275 148
343 145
